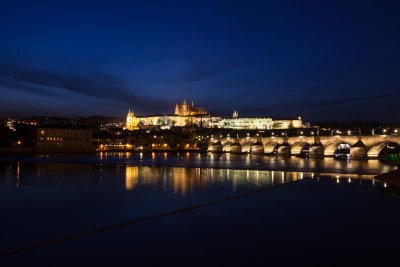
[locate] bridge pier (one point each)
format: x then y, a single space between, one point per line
358 153
358 150
284 150
316 151
257 148
215 147
236 148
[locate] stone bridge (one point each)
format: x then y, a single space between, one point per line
318 146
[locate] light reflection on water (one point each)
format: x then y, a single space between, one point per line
210 160
56 194
182 181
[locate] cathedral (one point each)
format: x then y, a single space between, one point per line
186 110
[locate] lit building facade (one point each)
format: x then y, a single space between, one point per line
171 120
186 115
257 123
63 140
131 121
288 123
245 123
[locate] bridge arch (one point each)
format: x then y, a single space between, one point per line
330 149
227 147
270 147
375 150
298 147
283 149
215 147
246 147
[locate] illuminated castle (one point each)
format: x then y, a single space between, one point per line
186 110
186 115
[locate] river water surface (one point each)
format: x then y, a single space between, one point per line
326 211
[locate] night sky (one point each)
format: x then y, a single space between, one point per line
324 60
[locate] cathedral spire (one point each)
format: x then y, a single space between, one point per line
185 102
192 104
177 109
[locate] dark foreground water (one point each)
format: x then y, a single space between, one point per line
319 216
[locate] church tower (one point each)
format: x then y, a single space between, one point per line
131 121
185 108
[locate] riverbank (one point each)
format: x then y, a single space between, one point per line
391 178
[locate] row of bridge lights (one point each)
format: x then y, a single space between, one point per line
385 131
257 135
394 131
349 132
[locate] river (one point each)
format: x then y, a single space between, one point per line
322 208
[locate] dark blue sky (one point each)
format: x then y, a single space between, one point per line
325 60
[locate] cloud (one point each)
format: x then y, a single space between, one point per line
317 109
22 86
60 83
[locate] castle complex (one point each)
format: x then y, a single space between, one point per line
186 115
